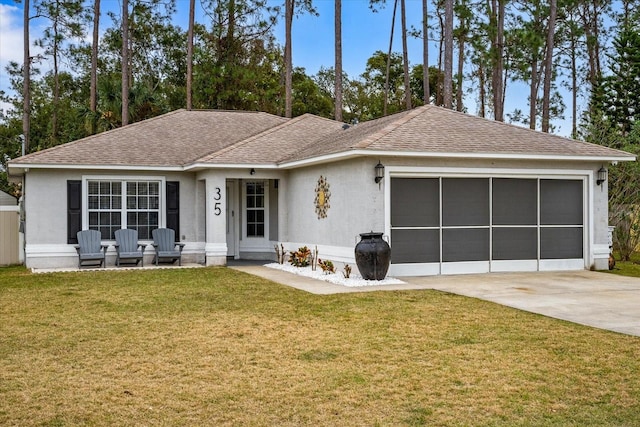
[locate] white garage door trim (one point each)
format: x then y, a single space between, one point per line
435 268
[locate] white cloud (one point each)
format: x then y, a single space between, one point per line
10 43
10 34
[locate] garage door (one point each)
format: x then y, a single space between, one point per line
461 225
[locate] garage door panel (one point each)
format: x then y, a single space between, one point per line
415 246
515 243
465 244
561 202
465 202
515 201
561 242
415 202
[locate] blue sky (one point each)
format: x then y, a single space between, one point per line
363 33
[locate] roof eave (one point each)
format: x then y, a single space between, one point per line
19 169
194 167
489 156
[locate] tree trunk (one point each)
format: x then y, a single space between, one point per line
192 6
548 65
125 62
288 100
338 66
56 77
448 55
591 28
386 81
93 97
26 76
461 40
574 90
533 93
425 53
482 88
497 19
440 83
405 56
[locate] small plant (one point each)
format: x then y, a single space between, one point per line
280 253
327 266
300 258
346 271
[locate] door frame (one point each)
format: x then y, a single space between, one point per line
232 218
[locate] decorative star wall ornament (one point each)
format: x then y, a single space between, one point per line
323 194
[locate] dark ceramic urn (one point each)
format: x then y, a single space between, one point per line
373 256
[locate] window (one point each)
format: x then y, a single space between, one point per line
255 209
123 204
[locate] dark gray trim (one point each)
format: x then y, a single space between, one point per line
74 210
173 207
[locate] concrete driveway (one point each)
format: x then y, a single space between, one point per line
601 300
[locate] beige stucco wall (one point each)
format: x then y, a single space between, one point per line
356 206
45 198
359 205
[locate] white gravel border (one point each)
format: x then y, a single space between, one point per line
337 278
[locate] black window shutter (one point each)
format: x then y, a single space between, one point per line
173 207
74 210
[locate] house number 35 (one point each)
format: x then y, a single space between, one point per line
217 195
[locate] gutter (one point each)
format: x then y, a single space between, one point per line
18 170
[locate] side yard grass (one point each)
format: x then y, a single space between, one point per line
214 346
628 268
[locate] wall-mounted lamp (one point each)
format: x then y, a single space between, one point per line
602 176
379 172
252 171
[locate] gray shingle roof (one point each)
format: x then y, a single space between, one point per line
187 138
435 130
278 143
174 139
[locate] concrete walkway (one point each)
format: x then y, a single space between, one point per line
600 300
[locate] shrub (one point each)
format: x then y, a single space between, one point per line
300 258
326 266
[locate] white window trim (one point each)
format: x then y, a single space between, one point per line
255 239
162 214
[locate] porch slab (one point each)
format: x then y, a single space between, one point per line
114 268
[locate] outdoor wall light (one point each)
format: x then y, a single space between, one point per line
252 171
602 176
379 172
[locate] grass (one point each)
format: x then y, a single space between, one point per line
627 268
213 346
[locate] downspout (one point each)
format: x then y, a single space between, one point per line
22 235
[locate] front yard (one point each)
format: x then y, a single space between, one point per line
213 346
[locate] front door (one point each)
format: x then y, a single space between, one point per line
231 212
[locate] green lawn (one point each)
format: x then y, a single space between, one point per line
213 346
628 268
